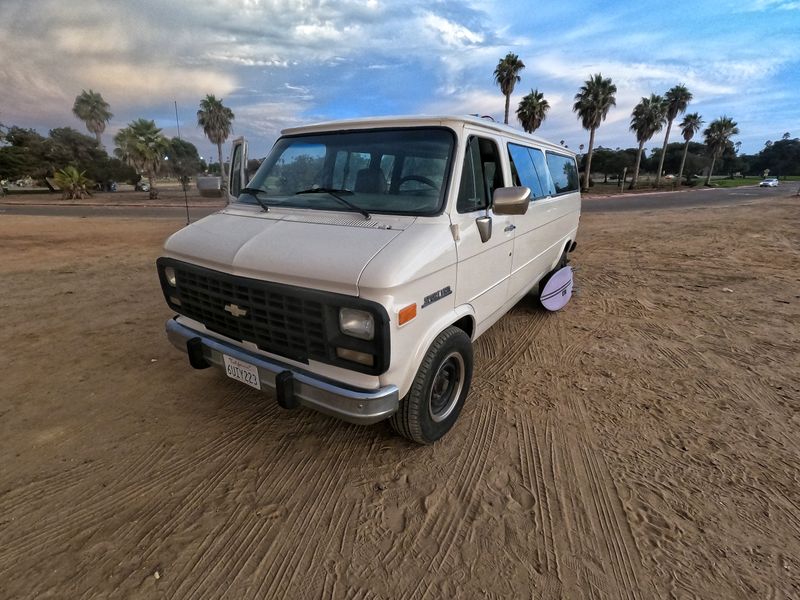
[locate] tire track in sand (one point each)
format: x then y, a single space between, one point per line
522 324
450 514
93 508
251 546
604 507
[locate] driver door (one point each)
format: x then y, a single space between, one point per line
484 266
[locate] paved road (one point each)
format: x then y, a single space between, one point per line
654 201
146 212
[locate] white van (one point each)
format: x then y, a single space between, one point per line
352 273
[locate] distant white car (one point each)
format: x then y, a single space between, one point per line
769 182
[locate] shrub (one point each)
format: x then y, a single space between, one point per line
73 183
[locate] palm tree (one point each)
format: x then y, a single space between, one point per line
73 183
689 126
506 75
717 135
215 119
142 146
647 119
90 108
532 111
677 99
592 103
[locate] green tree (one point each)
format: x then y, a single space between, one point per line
647 120
142 146
676 99
506 75
73 183
216 120
592 103
689 126
717 135
90 108
184 160
66 146
24 155
532 110
782 158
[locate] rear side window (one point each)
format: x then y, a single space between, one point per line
563 172
528 168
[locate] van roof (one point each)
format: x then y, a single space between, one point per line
452 121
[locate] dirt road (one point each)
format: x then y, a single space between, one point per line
643 443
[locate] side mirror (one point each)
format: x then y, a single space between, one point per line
511 200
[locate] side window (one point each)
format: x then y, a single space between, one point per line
528 168
387 165
300 168
236 170
480 176
564 172
539 163
346 167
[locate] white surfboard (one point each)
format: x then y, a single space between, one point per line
558 290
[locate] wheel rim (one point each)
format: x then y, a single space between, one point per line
446 387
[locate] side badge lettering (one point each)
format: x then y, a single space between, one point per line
442 293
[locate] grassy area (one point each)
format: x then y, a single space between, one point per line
729 183
646 184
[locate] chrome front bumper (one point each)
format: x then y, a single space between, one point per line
349 404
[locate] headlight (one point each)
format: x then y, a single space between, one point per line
357 323
169 273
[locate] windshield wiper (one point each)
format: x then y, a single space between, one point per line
335 193
254 192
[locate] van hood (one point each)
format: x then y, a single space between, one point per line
326 251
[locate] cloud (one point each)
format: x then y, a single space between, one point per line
279 63
761 5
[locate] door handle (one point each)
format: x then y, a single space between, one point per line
510 228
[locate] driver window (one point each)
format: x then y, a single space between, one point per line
236 170
480 175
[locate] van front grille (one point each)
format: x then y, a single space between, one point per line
246 310
294 322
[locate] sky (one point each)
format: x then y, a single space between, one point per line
278 64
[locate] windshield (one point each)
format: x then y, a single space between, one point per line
398 171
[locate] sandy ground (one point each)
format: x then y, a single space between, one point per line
643 443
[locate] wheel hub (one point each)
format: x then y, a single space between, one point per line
446 388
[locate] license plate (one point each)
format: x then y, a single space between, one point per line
241 371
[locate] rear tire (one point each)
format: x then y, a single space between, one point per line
437 394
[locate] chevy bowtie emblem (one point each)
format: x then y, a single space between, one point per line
235 310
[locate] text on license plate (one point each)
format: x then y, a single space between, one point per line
241 371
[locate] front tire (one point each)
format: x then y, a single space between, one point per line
437 394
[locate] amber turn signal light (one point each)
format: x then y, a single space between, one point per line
406 314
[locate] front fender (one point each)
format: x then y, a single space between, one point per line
406 377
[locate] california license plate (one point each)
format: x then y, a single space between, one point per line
241 371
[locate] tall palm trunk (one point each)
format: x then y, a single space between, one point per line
683 161
223 177
588 172
508 102
151 178
99 141
636 168
711 168
663 153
